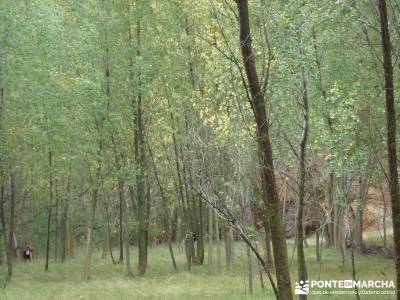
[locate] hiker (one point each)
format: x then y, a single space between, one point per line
27 254
156 241
194 236
182 244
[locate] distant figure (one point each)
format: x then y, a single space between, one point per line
194 235
27 254
157 241
182 244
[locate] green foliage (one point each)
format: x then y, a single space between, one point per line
73 71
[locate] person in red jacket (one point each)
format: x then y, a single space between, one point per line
28 252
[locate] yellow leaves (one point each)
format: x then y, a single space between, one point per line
206 116
224 125
155 8
272 61
210 120
248 130
217 120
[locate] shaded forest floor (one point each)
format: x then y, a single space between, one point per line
64 281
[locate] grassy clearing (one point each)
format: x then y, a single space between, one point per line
64 281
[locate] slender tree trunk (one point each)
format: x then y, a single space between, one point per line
358 228
229 249
49 211
1 249
121 222
92 214
88 250
25 218
210 249
331 225
121 191
136 104
191 222
171 235
353 268
267 245
106 241
11 238
7 254
336 224
301 261
70 239
341 234
391 134
127 250
63 231
200 234
384 216
56 224
110 250
63 222
270 196
5 240
120 195
218 243
140 160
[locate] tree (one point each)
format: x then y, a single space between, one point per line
271 200
49 211
391 133
302 267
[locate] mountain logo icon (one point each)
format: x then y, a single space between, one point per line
302 288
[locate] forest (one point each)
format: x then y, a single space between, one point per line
209 149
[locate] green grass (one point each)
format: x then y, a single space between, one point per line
64 281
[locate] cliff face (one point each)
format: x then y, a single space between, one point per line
374 217
375 209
